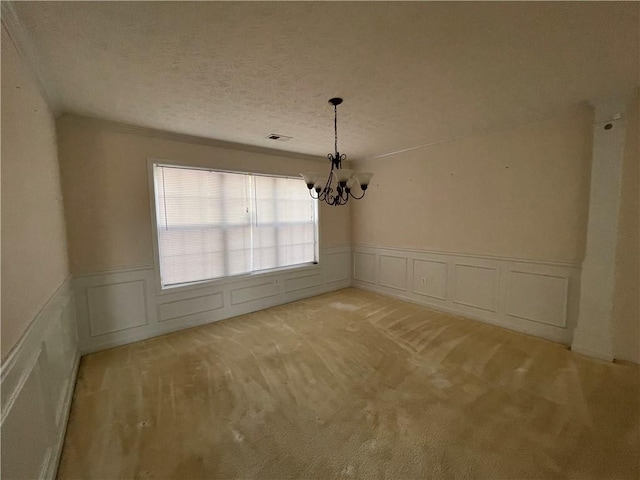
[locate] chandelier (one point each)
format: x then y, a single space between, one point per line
345 179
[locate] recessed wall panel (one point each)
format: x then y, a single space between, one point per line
300 283
254 292
430 278
337 266
25 432
476 286
116 307
539 298
60 349
364 267
190 306
393 272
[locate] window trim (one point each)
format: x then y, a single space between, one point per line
243 277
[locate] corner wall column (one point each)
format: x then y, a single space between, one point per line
593 335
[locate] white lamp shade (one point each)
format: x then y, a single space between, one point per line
343 174
310 178
363 178
352 182
318 186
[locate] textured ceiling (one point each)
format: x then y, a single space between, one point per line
410 73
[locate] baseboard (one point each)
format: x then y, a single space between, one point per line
592 344
592 353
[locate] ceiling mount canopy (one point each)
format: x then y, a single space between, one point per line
345 179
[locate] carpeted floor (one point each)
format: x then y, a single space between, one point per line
351 385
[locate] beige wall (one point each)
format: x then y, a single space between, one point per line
34 253
626 309
106 189
517 192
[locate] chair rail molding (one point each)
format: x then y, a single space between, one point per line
536 297
38 380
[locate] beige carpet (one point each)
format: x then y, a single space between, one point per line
351 385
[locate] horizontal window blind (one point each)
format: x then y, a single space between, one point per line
214 224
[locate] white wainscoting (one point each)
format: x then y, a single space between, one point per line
475 286
38 379
124 306
535 297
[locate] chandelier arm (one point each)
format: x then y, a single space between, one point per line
333 196
327 187
357 198
322 193
328 198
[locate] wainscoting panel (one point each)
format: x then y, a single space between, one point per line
300 283
430 278
532 296
476 286
338 266
119 307
364 267
61 353
539 298
25 433
255 292
38 379
132 324
393 271
116 307
190 306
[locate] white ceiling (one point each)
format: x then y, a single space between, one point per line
410 73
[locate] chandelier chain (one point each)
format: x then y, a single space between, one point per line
335 127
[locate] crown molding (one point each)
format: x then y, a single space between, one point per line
182 137
26 49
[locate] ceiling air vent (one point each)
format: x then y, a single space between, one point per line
278 137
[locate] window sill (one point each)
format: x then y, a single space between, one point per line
184 287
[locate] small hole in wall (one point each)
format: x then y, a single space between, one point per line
608 126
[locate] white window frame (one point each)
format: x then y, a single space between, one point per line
160 289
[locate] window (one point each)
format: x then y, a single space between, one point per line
215 224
